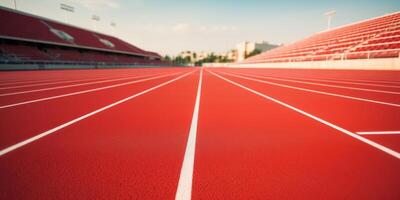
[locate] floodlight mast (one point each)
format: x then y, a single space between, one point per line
67 9
113 25
330 15
95 19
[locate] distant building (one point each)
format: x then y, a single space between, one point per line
245 48
185 54
194 56
233 55
201 55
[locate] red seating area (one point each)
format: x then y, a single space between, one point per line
23 52
374 38
23 26
91 39
28 53
22 34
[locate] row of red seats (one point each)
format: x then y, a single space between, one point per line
379 47
333 44
371 55
391 33
25 26
385 40
24 52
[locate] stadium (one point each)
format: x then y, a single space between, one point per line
89 114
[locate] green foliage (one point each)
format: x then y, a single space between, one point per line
253 53
167 58
179 60
212 58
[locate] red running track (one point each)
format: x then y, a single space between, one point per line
189 133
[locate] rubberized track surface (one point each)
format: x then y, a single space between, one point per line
190 133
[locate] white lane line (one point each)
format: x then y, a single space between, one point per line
41 135
319 84
345 82
184 190
314 91
21 82
86 91
396 83
341 80
351 134
69 86
378 132
56 82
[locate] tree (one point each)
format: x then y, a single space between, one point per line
212 58
188 59
179 60
167 58
253 53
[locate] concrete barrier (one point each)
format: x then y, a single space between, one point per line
16 67
360 64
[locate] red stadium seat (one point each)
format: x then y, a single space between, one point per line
59 42
378 34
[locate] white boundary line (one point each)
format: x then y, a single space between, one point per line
59 82
351 134
73 85
184 190
319 84
52 83
378 132
347 80
313 91
41 135
21 82
342 81
84 91
38 82
361 81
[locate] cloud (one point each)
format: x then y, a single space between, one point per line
217 29
181 28
185 28
97 4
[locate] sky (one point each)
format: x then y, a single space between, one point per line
172 26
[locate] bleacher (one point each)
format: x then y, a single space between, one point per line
374 38
26 38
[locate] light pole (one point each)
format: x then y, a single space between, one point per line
67 9
113 25
330 14
95 19
15 4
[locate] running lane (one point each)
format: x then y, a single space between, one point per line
45 92
131 151
72 77
362 76
57 84
353 115
24 121
384 95
251 148
49 77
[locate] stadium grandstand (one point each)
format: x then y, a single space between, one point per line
373 38
29 39
86 115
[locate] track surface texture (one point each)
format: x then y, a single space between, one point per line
200 133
